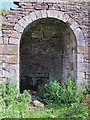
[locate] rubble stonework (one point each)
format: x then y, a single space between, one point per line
75 13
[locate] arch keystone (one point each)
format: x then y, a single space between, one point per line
44 13
53 14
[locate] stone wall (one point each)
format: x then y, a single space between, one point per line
75 13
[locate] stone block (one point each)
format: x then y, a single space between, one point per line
10 71
80 58
65 17
80 49
1 40
80 67
80 78
5 40
13 41
23 23
79 36
60 15
70 21
0 33
53 14
18 28
33 16
9 49
28 19
74 25
1 74
38 14
12 59
87 67
15 34
44 13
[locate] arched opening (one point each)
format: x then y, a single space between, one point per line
47 46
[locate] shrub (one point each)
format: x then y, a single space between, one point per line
53 90
68 91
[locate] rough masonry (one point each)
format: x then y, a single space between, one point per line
12 26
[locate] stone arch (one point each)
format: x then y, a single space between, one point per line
23 22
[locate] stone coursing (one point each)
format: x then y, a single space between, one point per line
13 24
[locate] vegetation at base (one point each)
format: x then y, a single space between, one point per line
54 90
14 104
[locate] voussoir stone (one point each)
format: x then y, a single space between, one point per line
44 13
38 14
74 25
33 16
28 19
23 23
18 28
79 36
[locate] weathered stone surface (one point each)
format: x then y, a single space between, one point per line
9 49
44 13
87 67
18 28
1 40
38 14
80 49
80 58
33 16
80 79
23 23
65 18
38 103
13 41
80 67
10 71
5 40
12 59
0 33
42 6
28 19
15 34
74 26
79 36
54 14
